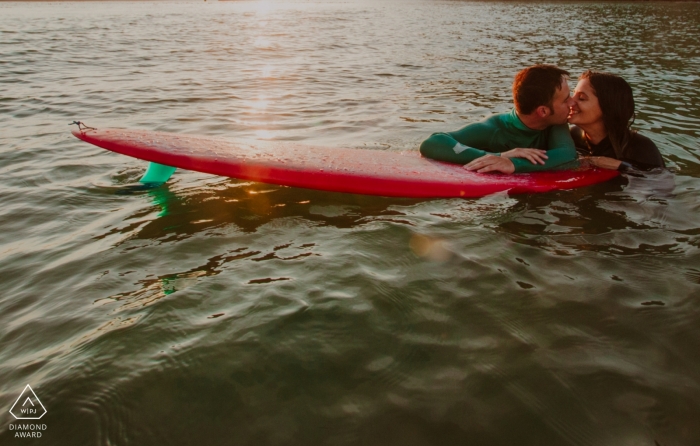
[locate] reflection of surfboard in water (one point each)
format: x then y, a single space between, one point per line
359 171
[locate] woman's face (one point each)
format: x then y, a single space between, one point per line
586 109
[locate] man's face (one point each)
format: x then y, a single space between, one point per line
561 104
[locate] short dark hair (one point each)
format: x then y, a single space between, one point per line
535 86
617 104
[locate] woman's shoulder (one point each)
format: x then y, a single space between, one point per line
645 151
576 130
640 140
577 135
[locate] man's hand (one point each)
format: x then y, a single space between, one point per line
603 162
536 156
491 163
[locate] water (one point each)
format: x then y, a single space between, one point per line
216 311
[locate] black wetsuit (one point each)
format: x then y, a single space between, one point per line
642 153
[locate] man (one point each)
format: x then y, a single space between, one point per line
532 137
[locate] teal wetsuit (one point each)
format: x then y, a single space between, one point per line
500 133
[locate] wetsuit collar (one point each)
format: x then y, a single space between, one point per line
518 124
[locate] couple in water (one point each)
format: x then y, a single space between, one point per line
535 136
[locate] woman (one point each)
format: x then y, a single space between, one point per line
602 114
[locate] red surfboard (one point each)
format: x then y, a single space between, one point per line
358 171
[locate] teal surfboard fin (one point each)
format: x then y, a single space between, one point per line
157 174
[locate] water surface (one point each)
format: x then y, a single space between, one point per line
217 311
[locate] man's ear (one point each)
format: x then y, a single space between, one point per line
543 111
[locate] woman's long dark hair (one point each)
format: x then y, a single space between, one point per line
617 104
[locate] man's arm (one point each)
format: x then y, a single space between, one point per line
458 147
561 151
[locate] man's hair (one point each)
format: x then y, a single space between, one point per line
535 86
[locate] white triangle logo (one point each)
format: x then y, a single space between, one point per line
31 409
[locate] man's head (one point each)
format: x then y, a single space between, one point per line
542 92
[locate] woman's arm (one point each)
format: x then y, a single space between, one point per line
605 162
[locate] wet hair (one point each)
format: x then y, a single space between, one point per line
617 104
535 86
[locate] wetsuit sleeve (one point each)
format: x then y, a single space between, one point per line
460 146
561 152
